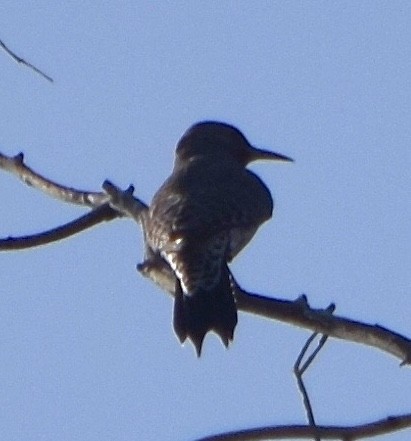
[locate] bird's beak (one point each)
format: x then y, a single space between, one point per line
261 154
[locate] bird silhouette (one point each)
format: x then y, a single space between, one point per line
203 215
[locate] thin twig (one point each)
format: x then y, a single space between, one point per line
96 216
298 372
310 359
19 60
300 368
321 343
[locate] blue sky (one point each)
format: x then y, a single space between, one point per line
88 350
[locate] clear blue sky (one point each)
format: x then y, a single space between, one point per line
87 347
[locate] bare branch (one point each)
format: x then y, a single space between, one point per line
96 216
16 166
110 204
298 372
121 203
19 60
125 202
300 314
320 345
343 433
156 269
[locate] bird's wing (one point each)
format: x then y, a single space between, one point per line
206 201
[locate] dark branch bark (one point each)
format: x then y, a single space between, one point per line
300 314
125 203
344 433
299 370
96 216
16 166
20 60
108 205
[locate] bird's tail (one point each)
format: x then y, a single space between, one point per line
205 311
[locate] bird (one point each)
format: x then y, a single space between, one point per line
204 214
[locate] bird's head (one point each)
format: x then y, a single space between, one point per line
211 138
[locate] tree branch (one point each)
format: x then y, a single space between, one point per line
344 433
96 216
125 203
108 205
16 166
19 60
299 372
300 314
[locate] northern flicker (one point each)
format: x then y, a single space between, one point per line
202 216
